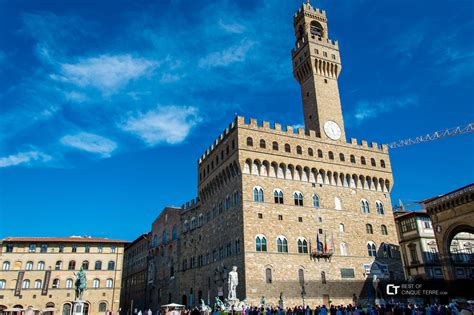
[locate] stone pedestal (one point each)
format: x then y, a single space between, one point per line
78 308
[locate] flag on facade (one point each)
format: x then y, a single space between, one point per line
319 244
325 244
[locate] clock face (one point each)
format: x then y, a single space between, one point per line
332 130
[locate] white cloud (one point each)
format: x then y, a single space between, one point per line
90 143
227 56
25 158
233 28
106 73
370 109
170 124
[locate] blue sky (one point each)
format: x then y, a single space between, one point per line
105 106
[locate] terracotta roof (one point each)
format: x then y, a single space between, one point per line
72 239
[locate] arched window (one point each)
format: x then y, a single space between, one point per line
249 142
282 244
287 148
263 144
341 157
371 249
6 266
3 284
96 283
364 206
85 265
344 251
310 152
372 162
298 198
164 237
26 284
299 150
384 229
37 284
316 201
362 160
258 194
268 275
69 284
41 265
111 265
155 240
301 276
236 198
58 265
316 29
103 307
98 265
320 153
331 155
302 246
55 283
260 243
174 233
368 228
72 265
353 159
227 202
278 196
67 309
382 163
275 145
337 203
109 283
341 227
379 206
29 265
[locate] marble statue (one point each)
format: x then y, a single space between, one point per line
233 281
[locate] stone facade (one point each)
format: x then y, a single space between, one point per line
267 194
420 251
38 273
453 214
135 271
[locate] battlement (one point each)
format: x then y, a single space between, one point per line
326 42
308 9
301 133
216 142
190 204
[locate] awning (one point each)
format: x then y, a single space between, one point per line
172 305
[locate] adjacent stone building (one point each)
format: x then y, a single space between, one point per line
134 275
419 249
38 273
452 215
302 213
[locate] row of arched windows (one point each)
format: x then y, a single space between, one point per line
38 284
365 208
313 175
302 245
310 151
210 165
370 230
59 265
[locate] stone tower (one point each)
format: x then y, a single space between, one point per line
316 67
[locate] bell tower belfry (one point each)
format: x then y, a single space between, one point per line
316 67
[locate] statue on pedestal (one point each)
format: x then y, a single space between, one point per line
233 281
81 284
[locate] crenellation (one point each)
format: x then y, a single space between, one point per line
354 141
374 145
301 131
364 144
253 122
277 127
266 125
289 129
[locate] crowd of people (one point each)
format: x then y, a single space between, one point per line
389 309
